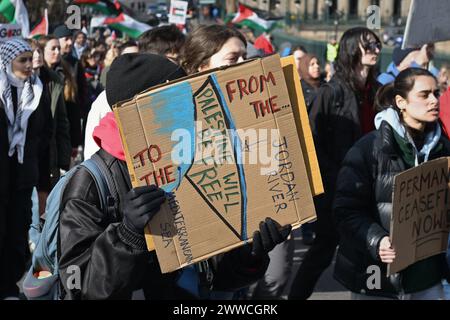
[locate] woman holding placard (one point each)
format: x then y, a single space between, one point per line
407 134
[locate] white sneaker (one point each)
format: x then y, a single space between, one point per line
11 298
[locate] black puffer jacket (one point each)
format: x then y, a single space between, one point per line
363 208
114 261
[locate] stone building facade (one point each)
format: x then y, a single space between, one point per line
310 10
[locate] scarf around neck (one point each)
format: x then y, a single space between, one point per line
28 96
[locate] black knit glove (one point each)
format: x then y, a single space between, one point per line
140 205
269 235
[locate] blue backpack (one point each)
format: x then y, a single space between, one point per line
45 254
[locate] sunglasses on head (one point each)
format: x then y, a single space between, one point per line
372 46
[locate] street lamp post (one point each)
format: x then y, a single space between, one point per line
328 5
297 6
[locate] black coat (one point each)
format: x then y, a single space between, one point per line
114 261
57 155
73 109
15 176
82 86
363 208
335 125
309 94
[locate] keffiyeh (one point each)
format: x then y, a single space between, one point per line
28 96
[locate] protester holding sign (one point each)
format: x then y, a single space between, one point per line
24 132
408 134
340 114
110 249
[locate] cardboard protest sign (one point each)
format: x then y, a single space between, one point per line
427 22
302 122
224 145
178 12
10 31
419 221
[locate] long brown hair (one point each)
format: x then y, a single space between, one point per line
203 43
70 84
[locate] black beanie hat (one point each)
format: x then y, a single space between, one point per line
399 54
132 73
62 31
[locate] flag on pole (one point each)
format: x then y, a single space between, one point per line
42 28
127 25
247 17
105 6
15 12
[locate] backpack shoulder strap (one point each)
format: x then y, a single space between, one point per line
105 183
100 181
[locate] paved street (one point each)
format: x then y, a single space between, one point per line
327 288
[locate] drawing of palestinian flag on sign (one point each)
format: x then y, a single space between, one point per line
177 107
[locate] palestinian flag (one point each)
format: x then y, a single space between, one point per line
247 17
15 12
42 28
104 6
127 25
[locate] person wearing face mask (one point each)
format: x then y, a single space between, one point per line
213 46
407 134
340 114
24 124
